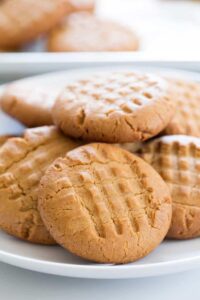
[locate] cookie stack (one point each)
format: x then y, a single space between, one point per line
75 180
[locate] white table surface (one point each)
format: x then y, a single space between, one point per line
21 284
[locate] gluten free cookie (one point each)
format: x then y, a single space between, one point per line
105 204
30 102
86 32
187 118
23 162
24 20
177 159
119 107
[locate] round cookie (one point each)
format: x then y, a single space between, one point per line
86 32
23 161
187 118
177 159
105 204
23 20
30 102
116 107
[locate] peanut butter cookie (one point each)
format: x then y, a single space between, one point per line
116 107
23 20
86 32
30 102
105 204
187 118
177 160
23 162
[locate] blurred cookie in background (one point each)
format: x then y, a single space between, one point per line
86 32
22 21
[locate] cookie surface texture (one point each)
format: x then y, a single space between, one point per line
23 20
187 118
23 161
105 204
30 103
119 107
177 160
86 32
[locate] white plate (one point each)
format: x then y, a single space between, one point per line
169 257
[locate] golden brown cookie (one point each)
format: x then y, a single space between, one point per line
116 107
23 162
105 204
81 5
23 20
177 160
187 118
30 102
86 32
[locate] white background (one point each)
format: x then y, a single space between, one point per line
167 27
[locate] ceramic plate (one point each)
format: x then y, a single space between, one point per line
169 257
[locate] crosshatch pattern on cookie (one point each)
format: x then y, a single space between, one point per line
23 162
178 164
114 107
111 197
177 160
120 193
123 92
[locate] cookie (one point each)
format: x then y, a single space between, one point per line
86 32
177 160
23 162
105 204
24 20
31 102
119 107
81 5
187 118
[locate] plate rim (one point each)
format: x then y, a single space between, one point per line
100 271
